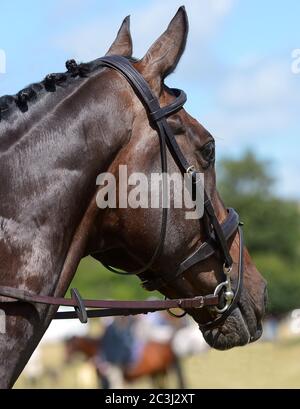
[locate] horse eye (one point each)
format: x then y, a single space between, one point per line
208 152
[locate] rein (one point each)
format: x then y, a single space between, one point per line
218 234
105 308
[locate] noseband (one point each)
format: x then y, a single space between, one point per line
225 298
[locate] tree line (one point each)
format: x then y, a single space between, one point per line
272 226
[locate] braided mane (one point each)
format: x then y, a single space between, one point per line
49 84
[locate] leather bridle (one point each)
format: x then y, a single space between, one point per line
217 234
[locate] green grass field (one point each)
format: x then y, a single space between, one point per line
261 365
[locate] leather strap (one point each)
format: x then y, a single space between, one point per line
206 250
152 106
106 306
174 106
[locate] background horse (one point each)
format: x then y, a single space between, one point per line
156 361
55 138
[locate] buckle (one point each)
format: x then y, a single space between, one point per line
228 294
196 302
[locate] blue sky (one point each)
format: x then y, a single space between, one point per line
236 69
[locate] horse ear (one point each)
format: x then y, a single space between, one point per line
123 42
163 56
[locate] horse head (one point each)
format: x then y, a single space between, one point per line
128 236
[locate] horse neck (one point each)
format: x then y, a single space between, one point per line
50 176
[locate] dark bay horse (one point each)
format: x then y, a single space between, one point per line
55 138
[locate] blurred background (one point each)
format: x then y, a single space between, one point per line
237 73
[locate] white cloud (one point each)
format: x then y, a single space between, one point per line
148 21
258 98
265 83
257 105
